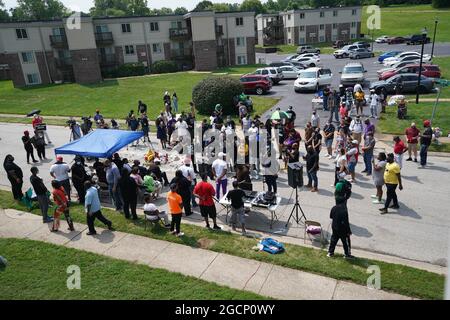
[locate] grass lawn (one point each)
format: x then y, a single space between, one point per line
240 69
115 98
325 48
403 20
396 278
37 270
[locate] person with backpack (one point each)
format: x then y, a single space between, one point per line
340 229
352 158
343 190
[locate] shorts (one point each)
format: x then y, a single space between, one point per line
208 211
351 167
329 143
237 214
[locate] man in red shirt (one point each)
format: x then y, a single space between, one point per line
205 192
412 136
399 150
37 119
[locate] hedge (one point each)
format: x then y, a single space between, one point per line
164 66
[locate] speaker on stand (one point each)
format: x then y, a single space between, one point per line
295 180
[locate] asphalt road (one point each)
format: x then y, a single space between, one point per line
302 101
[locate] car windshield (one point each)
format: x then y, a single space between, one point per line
352 70
309 74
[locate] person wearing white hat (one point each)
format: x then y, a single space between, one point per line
374 102
219 169
352 158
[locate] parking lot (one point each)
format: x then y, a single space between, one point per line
302 101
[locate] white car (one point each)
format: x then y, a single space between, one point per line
382 39
289 72
308 55
344 52
312 79
396 66
273 73
412 58
289 58
308 61
402 55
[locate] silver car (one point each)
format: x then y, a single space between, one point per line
361 53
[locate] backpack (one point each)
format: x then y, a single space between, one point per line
272 246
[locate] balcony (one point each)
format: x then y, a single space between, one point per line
219 31
185 54
179 34
104 38
275 23
59 42
63 63
107 60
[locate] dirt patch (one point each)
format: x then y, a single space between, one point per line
205 243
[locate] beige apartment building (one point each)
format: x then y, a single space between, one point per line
43 52
309 26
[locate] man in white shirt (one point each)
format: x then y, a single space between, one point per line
60 172
315 120
153 214
356 127
219 169
374 100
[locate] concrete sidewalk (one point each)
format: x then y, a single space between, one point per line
239 273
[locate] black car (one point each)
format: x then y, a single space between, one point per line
408 81
417 39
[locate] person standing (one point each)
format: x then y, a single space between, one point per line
142 107
219 170
378 177
369 145
161 134
425 141
41 193
129 191
412 137
28 146
205 192
341 165
60 172
399 150
315 120
145 126
79 176
317 141
184 190
333 105
356 128
352 159
61 202
270 174
374 102
15 176
392 179
175 102
112 178
175 203
340 230
312 165
236 197
37 119
369 127
98 117
328 132
92 208
39 143
359 101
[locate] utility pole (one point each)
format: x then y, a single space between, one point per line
424 37
434 36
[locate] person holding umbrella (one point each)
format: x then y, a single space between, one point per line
38 120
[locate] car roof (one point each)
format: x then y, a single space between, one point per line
267 68
312 69
253 75
354 64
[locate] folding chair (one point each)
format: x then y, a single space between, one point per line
313 228
147 219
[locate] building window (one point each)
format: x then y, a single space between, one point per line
289 17
321 39
154 26
240 42
322 14
322 27
27 57
239 21
333 37
335 13
242 60
353 36
129 50
302 16
354 12
289 41
126 28
156 48
21 33
302 41
33 78
334 25
302 28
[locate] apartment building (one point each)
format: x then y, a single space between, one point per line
43 52
309 26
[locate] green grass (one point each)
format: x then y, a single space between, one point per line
396 278
37 270
406 20
240 69
325 48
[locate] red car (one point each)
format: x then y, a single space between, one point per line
256 83
395 40
428 70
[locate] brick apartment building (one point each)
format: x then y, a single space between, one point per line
43 52
309 26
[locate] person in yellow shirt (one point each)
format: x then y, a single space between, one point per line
175 203
360 100
392 179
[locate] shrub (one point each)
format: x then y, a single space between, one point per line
164 66
127 70
216 90
441 4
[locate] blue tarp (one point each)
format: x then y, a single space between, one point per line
100 143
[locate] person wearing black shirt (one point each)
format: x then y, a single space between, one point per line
145 126
155 170
425 141
100 170
142 107
340 229
236 197
292 114
41 193
117 161
328 132
79 177
184 190
39 143
129 191
312 165
317 140
15 176
28 146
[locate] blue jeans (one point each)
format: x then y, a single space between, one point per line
312 176
368 155
335 111
423 154
222 183
115 196
325 103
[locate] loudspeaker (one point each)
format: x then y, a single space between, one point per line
295 174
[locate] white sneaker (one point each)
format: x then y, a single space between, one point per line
180 234
374 196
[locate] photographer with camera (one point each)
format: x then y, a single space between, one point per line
75 130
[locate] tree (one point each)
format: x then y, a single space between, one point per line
162 11
4 16
180 10
271 6
137 7
253 5
39 10
203 5
219 7
441 4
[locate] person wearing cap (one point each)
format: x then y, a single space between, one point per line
412 135
219 169
189 173
28 146
374 102
399 150
37 119
60 172
425 141
175 203
98 117
352 158
392 179
356 128
292 115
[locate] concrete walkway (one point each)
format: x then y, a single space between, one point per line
239 273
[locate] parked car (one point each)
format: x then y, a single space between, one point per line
289 58
273 73
339 44
363 44
352 74
289 72
409 81
280 64
345 51
428 70
382 39
298 65
361 53
396 66
256 83
313 79
396 40
426 58
307 55
388 54
417 39
308 61
307 49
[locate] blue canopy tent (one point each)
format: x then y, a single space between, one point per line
100 143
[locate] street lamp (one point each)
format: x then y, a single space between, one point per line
424 38
434 36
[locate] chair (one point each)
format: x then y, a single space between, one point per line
313 228
153 222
